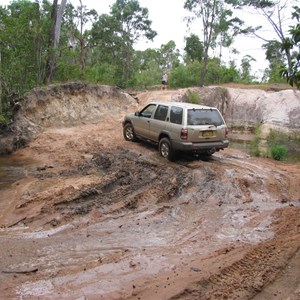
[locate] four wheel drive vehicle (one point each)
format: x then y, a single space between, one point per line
178 127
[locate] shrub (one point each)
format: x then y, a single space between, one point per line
254 144
278 152
193 97
254 149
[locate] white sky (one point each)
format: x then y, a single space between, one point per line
167 20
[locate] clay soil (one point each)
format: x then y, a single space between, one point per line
97 217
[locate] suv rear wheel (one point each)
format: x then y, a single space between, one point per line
128 133
165 149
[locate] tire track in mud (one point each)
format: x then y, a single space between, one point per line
270 176
260 265
122 180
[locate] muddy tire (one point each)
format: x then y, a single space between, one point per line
128 133
165 149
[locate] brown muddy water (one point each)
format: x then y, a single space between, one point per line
292 155
13 168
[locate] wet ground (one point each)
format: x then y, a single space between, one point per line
95 217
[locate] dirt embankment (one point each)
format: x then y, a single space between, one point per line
72 104
96 217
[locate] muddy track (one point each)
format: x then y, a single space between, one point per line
259 266
116 180
246 243
101 218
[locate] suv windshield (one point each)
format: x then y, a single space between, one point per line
204 117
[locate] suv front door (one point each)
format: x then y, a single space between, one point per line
142 121
159 122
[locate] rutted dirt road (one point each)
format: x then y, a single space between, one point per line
96 217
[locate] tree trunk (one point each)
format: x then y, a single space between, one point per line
0 81
203 71
54 36
60 13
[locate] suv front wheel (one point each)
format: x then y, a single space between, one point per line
128 133
165 149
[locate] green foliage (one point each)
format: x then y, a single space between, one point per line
278 152
3 121
133 23
220 26
185 76
217 73
168 56
105 52
193 97
146 77
101 74
279 143
276 59
194 49
22 34
277 137
254 144
292 72
246 69
189 75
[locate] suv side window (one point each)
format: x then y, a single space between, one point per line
147 111
161 113
176 115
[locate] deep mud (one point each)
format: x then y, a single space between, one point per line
95 217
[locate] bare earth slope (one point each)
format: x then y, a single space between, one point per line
96 217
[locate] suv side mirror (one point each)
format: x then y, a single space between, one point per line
137 113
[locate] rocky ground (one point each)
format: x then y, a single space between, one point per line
96 217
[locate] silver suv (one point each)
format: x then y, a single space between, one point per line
178 127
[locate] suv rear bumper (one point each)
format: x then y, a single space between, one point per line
186 146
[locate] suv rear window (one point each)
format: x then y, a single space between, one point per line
204 117
176 115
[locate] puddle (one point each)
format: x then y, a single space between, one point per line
292 156
12 169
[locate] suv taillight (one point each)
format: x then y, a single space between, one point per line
226 131
184 134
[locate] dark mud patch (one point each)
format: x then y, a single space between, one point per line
114 181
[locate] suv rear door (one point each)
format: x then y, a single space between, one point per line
205 125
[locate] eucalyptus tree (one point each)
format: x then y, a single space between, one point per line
54 36
292 73
194 49
216 17
226 29
77 23
246 69
276 59
277 14
134 24
147 70
169 56
23 31
107 49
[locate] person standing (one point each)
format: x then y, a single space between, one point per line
164 81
